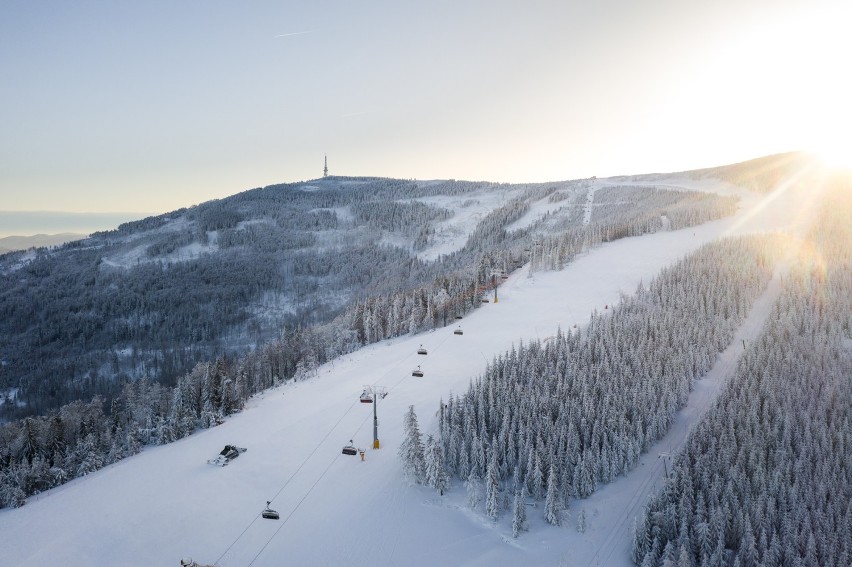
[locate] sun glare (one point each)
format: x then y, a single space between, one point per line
827 127
836 156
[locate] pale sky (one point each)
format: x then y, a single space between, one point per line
151 106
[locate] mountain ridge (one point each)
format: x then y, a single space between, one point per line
155 296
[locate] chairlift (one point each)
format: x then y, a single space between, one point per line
504 276
485 300
458 331
417 372
269 513
459 317
421 350
350 449
366 398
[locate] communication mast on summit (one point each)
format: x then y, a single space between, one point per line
325 169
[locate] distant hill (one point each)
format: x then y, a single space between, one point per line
12 243
58 222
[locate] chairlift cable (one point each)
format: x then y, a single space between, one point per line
333 427
236 540
304 461
293 511
363 421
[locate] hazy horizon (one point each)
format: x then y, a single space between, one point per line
162 105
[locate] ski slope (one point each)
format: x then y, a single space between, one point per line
167 503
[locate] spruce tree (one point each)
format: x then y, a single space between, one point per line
436 474
519 513
411 449
552 503
492 490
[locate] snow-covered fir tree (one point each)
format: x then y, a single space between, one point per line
436 473
411 451
519 512
492 490
552 503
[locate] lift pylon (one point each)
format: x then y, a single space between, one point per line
376 392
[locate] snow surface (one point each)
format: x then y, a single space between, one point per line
468 209
542 207
128 257
167 503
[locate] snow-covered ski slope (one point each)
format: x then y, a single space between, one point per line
167 502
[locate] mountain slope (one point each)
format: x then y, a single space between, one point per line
166 503
154 297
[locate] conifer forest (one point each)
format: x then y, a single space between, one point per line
146 333
766 477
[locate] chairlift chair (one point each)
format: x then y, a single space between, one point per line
458 331
366 398
417 372
350 449
421 350
486 300
458 317
269 513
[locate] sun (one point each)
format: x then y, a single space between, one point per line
837 154
817 89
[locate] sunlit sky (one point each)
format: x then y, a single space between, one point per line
151 106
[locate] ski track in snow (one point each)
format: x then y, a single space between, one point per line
587 207
167 503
